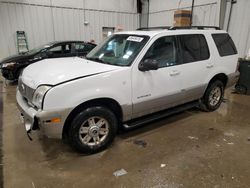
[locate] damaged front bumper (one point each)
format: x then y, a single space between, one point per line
50 123
8 74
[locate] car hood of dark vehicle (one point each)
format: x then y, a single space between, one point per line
17 58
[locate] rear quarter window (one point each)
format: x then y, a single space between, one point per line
225 44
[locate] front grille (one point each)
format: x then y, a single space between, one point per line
26 91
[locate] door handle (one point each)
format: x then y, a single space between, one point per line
174 73
209 65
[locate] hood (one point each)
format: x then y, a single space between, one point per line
56 71
16 58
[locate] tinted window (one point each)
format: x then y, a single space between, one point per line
84 47
80 47
57 49
163 50
225 44
194 48
90 46
66 48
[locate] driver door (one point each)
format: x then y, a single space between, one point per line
155 90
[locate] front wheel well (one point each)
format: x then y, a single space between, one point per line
109 103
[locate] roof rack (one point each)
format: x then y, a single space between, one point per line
178 27
194 27
153 28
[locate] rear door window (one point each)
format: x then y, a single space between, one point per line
80 47
83 47
194 48
225 44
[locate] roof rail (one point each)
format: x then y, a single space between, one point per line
153 28
194 27
177 27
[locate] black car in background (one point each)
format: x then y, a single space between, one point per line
12 66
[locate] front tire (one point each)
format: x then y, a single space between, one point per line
213 96
93 130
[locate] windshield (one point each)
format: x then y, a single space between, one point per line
119 49
39 48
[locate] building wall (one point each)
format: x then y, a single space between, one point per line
49 20
205 12
239 26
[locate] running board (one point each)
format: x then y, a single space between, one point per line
155 116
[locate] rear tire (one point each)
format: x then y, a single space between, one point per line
93 130
213 96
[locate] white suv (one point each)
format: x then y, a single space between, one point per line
130 79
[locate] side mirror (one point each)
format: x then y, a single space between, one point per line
148 64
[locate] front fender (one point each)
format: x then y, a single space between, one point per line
115 85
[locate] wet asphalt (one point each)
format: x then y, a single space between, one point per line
190 149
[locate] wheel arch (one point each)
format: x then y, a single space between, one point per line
222 77
109 103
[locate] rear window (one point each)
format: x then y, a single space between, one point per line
194 48
225 44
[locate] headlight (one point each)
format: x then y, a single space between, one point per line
8 65
38 95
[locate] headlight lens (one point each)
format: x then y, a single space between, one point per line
8 65
39 95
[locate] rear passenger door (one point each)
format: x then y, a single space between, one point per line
196 65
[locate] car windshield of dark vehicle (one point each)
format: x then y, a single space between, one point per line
118 49
39 48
